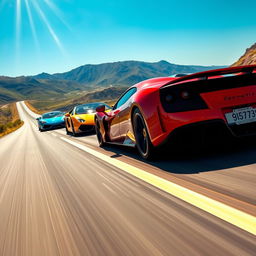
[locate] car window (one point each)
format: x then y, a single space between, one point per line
52 114
125 97
89 108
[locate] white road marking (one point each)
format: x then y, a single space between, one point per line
231 215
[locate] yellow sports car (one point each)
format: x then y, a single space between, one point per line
81 118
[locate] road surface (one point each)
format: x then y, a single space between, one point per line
56 199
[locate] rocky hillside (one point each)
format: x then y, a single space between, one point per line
249 58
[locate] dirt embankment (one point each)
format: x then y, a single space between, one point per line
9 119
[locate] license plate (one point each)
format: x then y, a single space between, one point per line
241 116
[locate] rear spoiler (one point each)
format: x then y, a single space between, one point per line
217 72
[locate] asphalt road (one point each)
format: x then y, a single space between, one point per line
56 199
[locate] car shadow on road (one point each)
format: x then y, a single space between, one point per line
198 160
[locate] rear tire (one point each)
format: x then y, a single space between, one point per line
98 134
143 142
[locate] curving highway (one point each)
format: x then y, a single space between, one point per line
58 199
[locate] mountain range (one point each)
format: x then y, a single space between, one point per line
125 73
119 74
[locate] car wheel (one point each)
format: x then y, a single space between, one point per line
98 134
143 143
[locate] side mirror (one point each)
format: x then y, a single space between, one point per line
101 108
67 115
38 118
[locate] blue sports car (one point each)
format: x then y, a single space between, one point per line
51 120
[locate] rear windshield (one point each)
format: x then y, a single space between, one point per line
88 108
52 114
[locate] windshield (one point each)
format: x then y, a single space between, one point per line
52 114
89 108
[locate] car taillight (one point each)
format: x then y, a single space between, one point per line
185 95
176 99
169 98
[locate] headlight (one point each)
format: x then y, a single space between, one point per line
80 120
42 122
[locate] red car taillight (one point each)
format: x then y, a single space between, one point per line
175 99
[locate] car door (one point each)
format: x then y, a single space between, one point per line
124 115
118 116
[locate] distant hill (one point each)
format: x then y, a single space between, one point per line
85 78
13 89
125 73
106 95
249 57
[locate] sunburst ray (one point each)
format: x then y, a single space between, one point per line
57 12
49 27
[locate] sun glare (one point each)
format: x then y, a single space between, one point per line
48 25
57 12
34 9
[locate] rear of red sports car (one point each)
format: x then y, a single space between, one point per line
182 110
214 102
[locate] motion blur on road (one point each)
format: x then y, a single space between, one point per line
56 199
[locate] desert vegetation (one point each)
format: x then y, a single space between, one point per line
9 119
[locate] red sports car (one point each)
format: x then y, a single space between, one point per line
169 109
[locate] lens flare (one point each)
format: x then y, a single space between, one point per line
49 27
34 9
57 12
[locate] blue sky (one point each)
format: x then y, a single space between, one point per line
58 35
